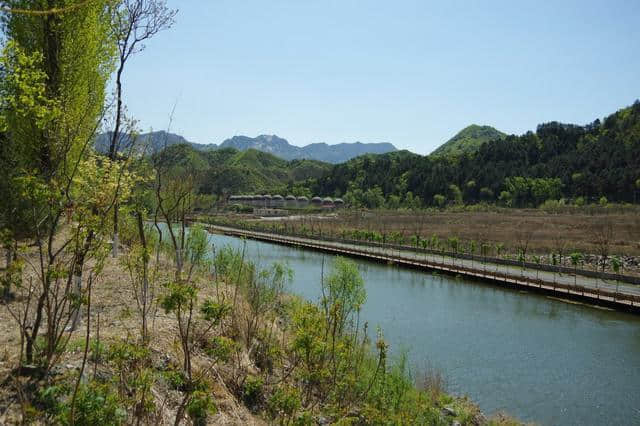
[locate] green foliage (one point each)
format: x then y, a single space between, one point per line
227 265
200 405
221 348
538 190
228 171
345 291
506 198
455 194
126 355
284 402
214 312
556 161
175 379
95 404
252 391
454 243
616 263
197 247
468 140
178 297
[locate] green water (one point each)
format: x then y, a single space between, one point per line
538 359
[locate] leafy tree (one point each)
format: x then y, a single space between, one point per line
616 263
455 194
576 258
439 199
57 66
373 198
344 293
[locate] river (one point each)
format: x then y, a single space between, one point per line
539 359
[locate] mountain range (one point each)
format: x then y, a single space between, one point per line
272 144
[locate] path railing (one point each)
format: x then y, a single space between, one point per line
591 294
557 269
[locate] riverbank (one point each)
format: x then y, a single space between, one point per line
266 360
520 352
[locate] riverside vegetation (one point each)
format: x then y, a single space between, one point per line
220 341
109 316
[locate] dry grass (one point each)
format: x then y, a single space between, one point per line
549 232
114 309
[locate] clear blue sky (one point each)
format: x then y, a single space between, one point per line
408 72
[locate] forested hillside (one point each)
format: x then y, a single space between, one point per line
469 140
228 171
581 163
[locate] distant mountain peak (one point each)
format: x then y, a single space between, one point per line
272 144
320 151
468 140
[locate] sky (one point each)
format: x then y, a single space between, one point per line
408 72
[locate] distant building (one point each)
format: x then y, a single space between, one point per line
277 201
290 201
327 202
269 212
257 200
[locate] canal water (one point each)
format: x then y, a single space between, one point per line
539 359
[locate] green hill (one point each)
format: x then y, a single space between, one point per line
583 163
468 140
229 171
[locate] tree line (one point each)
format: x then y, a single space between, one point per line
557 161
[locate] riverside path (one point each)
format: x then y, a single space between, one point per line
589 289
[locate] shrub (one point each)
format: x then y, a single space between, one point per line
175 379
96 404
284 402
221 348
125 354
252 391
199 407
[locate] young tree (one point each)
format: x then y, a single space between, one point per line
603 233
439 200
132 23
615 264
576 258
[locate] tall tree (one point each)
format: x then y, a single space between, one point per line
58 58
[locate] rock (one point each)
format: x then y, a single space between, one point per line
455 423
321 420
448 411
354 413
